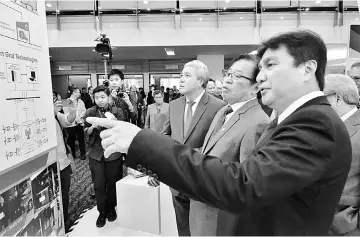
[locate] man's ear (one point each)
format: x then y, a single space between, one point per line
338 98
310 67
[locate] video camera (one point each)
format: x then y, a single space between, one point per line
104 48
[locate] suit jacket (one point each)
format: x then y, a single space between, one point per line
346 220
232 143
207 107
155 121
289 185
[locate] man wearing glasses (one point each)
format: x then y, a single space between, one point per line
354 73
232 135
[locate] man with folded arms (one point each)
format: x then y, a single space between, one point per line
290 184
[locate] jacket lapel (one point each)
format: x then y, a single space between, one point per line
182 104
353 123
202 106
229 124
211 128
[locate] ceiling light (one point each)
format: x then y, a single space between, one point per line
111 26
227 1
318 1
281 17
94 50
148 9
200 18
57 11
254 52
224 8
241 18
307 9
48 5
181 10
169 51
145 1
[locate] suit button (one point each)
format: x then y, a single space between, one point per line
149 173
155 176
139 167
144 170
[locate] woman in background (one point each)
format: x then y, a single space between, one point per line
157 113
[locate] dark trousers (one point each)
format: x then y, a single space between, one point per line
76 132
181 206
104 175
65 186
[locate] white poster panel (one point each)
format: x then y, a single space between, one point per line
27 124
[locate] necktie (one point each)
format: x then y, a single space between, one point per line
221 120
272 125
189 116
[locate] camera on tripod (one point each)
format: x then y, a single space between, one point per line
104 48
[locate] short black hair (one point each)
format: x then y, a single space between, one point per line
302 45
100 89
89 88
156 92
116 72
251 58
72 89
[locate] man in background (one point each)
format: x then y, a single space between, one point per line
232 136
211 87
354 73
119 96
188 122
157 113
342 93
85 97
76 128
218 92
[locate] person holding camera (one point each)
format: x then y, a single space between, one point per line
105 172
119 97
64 154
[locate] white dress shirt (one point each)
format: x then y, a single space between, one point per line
348 114
194 107
298 103
64 161
236 107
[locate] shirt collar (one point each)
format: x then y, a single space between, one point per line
198 98
237 106
298 103
348 114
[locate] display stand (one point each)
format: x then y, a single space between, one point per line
30 201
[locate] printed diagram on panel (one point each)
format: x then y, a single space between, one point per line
27 133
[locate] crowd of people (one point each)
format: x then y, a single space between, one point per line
271 150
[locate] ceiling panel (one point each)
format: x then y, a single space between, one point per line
126 4
186 4
280 3
76 5
319 3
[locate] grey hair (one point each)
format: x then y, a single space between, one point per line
202 72
342 85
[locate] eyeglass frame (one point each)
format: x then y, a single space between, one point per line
226 74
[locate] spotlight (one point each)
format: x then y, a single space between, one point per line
49 5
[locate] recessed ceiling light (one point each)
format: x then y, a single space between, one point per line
318 1
181 10
93 50
281 17
227 1
49 5
307 9
111 26
148 9
200 18
57 11
241 18
224 8
169 51
145 1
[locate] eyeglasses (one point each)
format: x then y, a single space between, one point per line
234 75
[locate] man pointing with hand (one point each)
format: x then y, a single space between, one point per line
291 182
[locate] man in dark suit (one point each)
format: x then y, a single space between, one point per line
232 135
291 182
342 93
188 122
